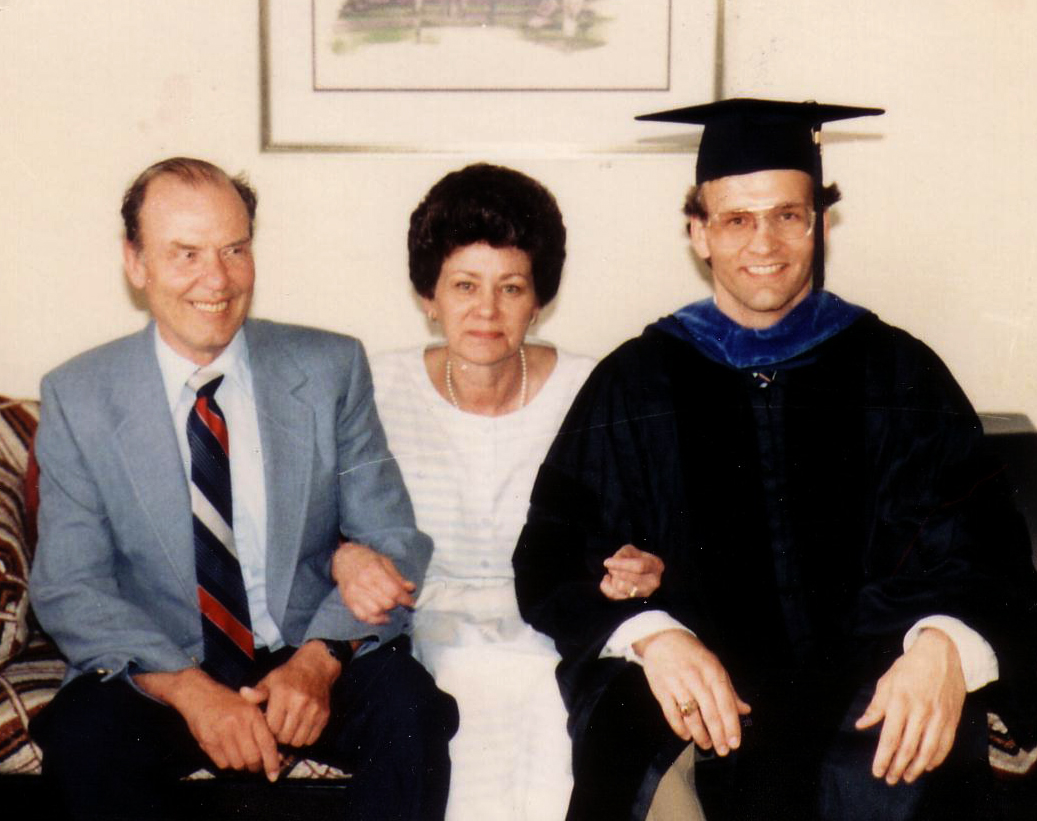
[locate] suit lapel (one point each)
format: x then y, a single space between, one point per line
147 445
286 430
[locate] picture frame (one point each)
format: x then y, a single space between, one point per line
420 76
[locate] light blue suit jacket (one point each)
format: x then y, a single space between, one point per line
113 580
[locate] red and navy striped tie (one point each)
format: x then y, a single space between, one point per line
226 626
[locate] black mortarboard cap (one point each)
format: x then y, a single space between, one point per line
743 135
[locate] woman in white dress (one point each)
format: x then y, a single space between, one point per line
470 420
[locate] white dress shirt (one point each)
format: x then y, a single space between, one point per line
248 487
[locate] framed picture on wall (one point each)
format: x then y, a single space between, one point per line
487 76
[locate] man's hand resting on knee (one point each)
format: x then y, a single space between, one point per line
919 700
232 727
298 695
693 690
231 730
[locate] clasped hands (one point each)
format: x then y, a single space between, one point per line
918 700
240 729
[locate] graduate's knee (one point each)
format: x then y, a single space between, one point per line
622 743
953 790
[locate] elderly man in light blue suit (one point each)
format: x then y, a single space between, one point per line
175 665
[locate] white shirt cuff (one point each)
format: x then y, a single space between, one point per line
621 642
978 661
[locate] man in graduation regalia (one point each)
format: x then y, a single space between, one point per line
846 581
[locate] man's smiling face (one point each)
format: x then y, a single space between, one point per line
758 280
194 264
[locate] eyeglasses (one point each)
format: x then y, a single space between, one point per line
786 222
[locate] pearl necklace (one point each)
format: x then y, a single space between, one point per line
523 386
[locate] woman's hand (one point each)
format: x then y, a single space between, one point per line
369 583
631 573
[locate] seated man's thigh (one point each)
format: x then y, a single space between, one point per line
622 745
110 751
957 789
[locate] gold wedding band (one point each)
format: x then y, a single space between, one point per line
633 592
688 707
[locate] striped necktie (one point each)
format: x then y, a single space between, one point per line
226 626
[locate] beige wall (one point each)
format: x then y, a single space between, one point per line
936 232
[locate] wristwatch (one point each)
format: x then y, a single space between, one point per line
338 649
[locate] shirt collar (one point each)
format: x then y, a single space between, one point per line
233 363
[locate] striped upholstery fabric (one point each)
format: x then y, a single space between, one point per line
26 685
30 668
1006 757
304 769
17 425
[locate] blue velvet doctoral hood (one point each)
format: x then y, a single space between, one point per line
818 317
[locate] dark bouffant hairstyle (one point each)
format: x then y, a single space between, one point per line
487 203
185 169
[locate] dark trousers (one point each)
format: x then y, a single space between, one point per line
800 759
111 752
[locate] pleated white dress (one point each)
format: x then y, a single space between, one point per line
469 477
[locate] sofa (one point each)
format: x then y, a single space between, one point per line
31 669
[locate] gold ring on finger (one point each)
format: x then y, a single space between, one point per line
688 707
633 592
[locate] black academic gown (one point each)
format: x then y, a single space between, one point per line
808 515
